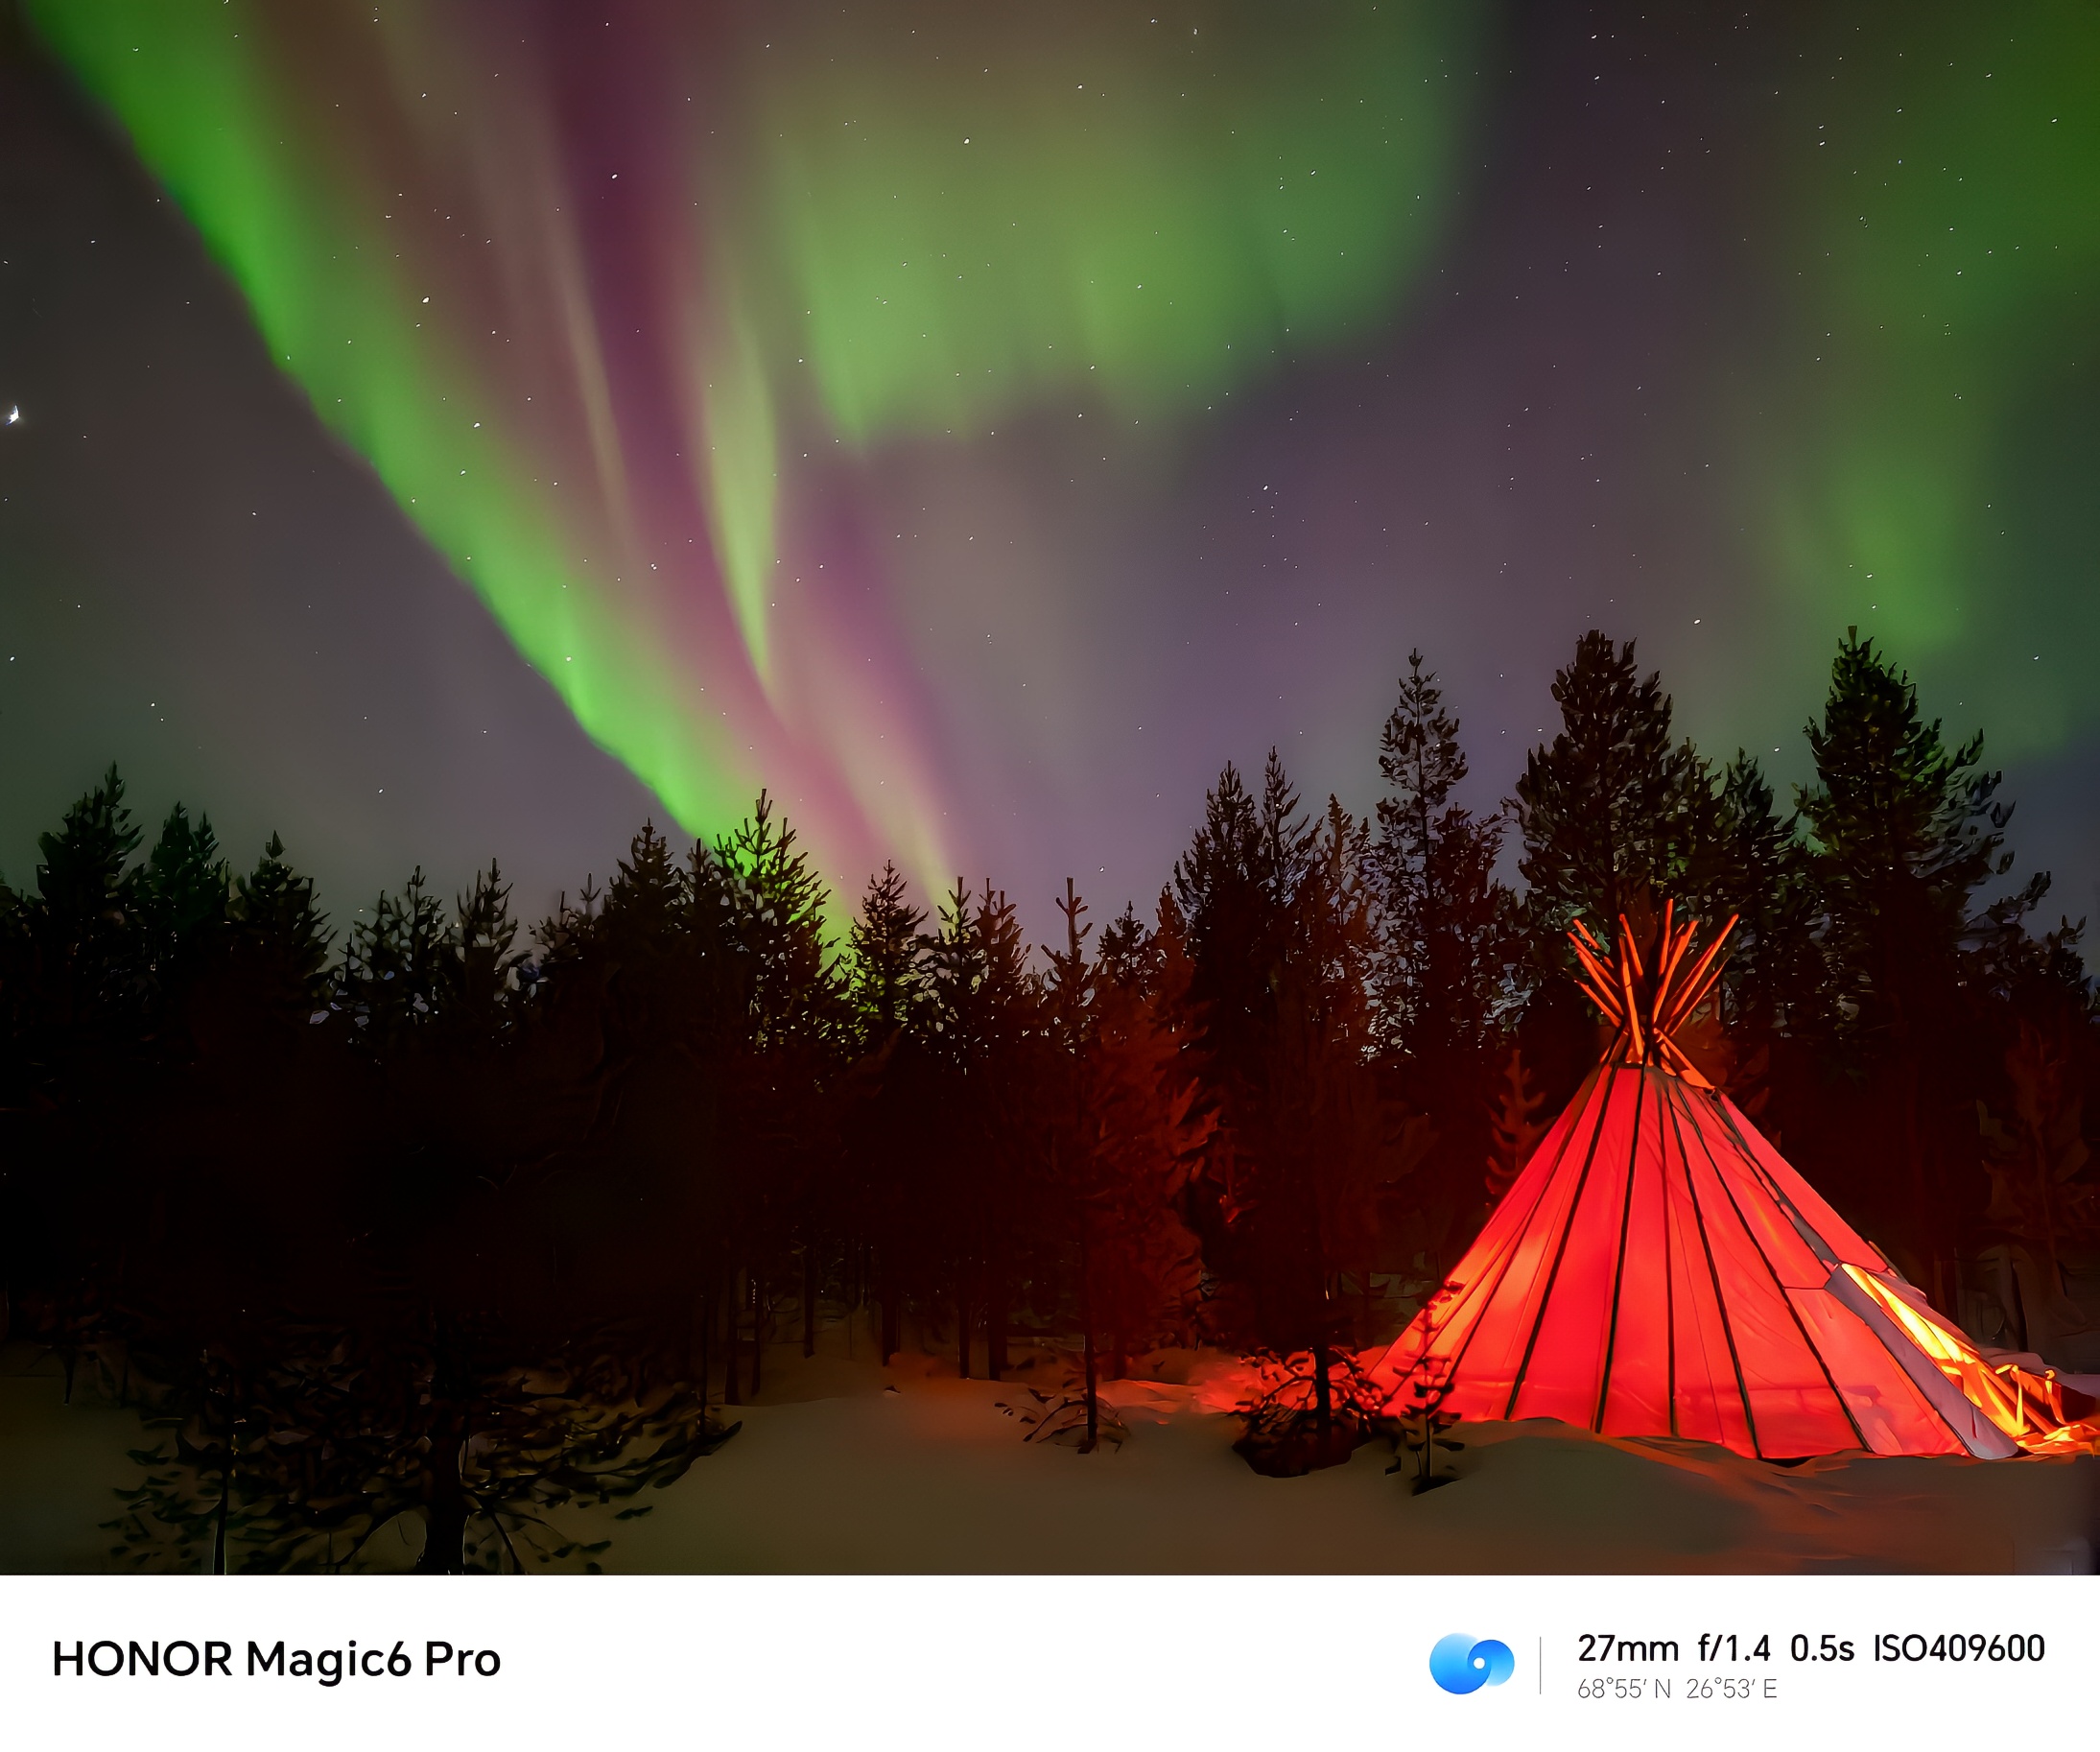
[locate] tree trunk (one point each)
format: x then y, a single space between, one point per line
444 1538
1323 1392
704 1319
444 1508
732 1385
994 1327
218 1519
808 1299
892 1322
758 1332
962 1326
1086 1341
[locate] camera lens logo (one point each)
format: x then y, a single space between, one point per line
1460 1664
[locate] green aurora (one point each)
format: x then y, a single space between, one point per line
665 335
896 227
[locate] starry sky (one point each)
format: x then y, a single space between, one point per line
460 430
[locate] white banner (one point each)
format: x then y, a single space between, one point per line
1040 1662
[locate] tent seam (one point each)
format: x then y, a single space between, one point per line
1609 1085
1618 1268
1765 1258
1720 1303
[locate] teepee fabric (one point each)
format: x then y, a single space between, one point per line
1658 1269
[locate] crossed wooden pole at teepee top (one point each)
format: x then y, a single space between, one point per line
1647 1007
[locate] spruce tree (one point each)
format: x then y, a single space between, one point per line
1281 936
1234 887
886 956
280 934
1127 1139
1449 943
393 977
184 890
788 1026
1906 833
1129 952
84 921
890 1125
646 908
1614 806
478 974
1448 928
1755 868
773 901
990 1035
77 972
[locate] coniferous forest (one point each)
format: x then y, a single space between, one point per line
449 1214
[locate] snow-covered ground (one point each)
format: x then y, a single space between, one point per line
844 1466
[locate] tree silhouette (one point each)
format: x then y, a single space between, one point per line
790 1022
1449 942
1757 870
279 935
1282 940
1127 1140
76 982
1449 933
889 986
1906 833
1613 804
430 1222
989 1035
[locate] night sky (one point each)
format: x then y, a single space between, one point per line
460 430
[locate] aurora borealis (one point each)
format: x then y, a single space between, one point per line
977 423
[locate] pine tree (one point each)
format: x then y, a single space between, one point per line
1128 1140
1282 938
1448 928
775 901
481 974
1234 887
891 1141
1755 869
1613 805
886 956
280 934
989 1037
2044 1198
1131 955
393 975
645 912
76 959
789 1026
1906 832
1449 948
184 890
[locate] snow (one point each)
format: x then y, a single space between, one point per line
846 1466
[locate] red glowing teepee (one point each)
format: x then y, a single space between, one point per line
1658 1270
